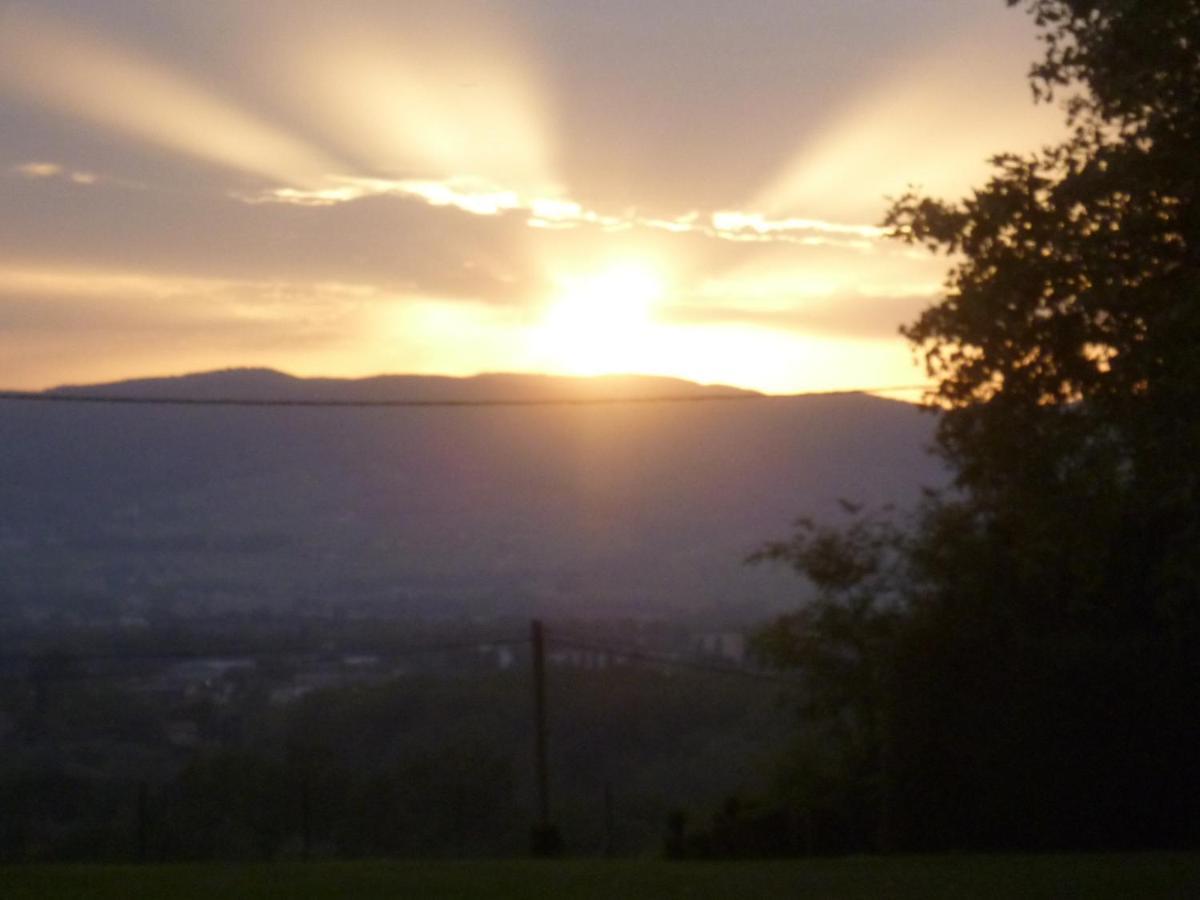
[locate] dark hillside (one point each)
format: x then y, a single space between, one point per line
578 509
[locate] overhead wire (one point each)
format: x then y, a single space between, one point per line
56 666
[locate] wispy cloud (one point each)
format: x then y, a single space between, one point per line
81 300
467 194
67 281
740 223
70 323
37 170
489 123
471 195
49 170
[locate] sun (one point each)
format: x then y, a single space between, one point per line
602 322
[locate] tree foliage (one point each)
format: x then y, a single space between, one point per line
840 634
842 639
1050 601
1067 347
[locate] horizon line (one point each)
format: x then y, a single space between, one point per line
64 393
117 399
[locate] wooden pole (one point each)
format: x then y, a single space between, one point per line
546 841
539 712
305 815
610 841
143 821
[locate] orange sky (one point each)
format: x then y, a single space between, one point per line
577 187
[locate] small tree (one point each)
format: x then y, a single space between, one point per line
843 640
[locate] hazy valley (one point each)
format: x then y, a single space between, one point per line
567 509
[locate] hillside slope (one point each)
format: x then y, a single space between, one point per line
589 509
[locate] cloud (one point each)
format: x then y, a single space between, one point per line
462 114
467 194
95 294
734 223
38 170
400 243
70 324
66 324
49 170
481 198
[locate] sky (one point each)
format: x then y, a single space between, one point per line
678 187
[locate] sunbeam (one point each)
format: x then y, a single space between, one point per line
79 74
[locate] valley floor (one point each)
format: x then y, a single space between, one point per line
1144 876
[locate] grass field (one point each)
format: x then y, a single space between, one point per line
1139 877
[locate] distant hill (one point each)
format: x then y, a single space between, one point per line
268 384
584 509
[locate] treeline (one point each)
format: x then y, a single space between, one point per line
418 766
1014 665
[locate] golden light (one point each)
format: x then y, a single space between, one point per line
602 322
79 74
458 100
884 141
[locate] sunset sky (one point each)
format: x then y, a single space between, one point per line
679 187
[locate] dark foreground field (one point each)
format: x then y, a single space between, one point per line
962 878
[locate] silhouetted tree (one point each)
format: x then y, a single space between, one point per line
1066 347
1040 677
844 640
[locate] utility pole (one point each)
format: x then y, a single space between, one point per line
143 821
545 838
306 813
538 642
610 842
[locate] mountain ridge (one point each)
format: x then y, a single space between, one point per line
255 383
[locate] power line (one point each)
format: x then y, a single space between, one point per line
64 663
134 400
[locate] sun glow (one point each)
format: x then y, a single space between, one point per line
602 322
